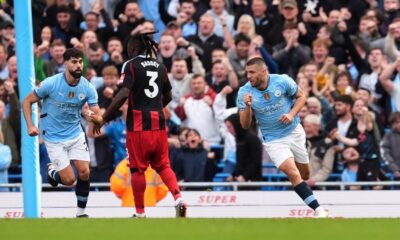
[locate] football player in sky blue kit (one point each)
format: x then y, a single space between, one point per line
275 101
63 96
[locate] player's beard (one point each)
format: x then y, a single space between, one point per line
76 74
257 82
132 19
340 114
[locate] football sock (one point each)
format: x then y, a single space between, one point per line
305 192
80 211
82 192
178 201
138 183
169 179
54 175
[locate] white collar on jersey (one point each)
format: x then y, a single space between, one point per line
144 56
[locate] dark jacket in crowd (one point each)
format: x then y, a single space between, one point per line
11 128
352 132
192 164
248 152
206 47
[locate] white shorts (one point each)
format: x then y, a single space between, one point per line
291 146
62 153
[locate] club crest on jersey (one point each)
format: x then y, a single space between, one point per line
71 94
267 96
278 93
81 96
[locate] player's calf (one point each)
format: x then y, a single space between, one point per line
305 175
304 169
305 192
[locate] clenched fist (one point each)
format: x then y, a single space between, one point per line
33 131
248 99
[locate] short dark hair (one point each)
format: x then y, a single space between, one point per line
186 1
178 59
94 46
57 43
63 9
365 89
394 117
375 48
6 24
198 75
265 2
344 74
72 53
218 61
344 99
256 61
92 13
327 28
242 37
289 25
114 38
218 49
192 130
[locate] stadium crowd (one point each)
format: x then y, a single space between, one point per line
344 54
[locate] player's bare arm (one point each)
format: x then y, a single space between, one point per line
91 133
116 103
298 104
385 76
246 114
94 115
27 108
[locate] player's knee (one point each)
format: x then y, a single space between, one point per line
159 169
84 173
68 181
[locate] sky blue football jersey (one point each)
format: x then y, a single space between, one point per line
62 104
270 104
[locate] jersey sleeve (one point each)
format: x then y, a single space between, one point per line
44 89
240 103
92 97
166 85
289 85
127 75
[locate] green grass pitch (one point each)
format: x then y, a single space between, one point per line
204 229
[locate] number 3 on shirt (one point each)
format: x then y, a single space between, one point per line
153 76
